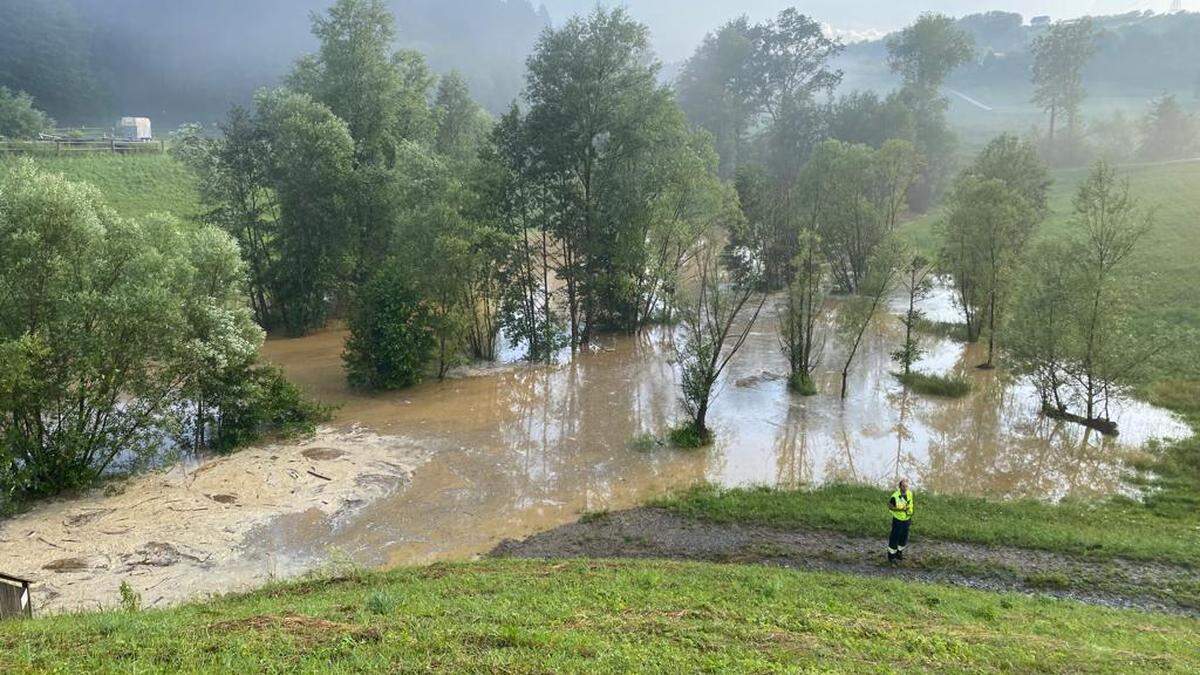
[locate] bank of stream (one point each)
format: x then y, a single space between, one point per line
448 470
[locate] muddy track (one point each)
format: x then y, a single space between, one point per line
657 533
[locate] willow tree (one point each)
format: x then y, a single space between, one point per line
109 328
1059 56
718 318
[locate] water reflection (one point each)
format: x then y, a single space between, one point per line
525 448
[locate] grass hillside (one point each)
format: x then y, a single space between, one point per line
1169 253
134 185
605 616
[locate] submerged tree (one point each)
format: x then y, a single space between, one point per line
993 211
803 314
857 312
916 281
1076 320
717 320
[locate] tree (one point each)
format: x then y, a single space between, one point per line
711 338
1168 132
1073 329
709 93
857 313
109 328
391 333
45 51
803 314
19 119
461 123
1059 56
310 171
234 186
381 95
924 54
788 62
916 280
509 197
602 135
993 210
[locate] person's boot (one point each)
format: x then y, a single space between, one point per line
899 556
891 557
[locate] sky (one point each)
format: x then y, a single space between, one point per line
679 25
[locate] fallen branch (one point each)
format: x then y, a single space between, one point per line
317 475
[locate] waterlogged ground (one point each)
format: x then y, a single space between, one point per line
449 469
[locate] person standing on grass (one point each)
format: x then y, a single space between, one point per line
901 507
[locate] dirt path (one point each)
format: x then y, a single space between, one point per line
657 533
194 530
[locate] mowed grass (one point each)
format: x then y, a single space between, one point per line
1169 260
1106 529
601 616
134 185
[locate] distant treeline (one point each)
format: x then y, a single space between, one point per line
1140 53
86 60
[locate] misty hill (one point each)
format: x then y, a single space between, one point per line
1138 54
87 60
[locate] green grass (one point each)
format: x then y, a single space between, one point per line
134 185
1103 529
523 616
945 386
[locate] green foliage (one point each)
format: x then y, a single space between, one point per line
688 437
391 333
256 402
926 52
1168 131
946 386
802 385
131 600
107 326
44 51
381 96
19 120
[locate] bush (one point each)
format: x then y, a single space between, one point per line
948 386
802 385
391 333
258 402
18 118
688 437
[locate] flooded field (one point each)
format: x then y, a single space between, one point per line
448 469
523 448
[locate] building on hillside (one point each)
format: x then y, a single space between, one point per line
1040 21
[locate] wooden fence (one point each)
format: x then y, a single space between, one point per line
74 147
15 598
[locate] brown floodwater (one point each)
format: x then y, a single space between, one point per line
519 448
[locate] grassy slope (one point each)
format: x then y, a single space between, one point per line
513 616
1169 253
1109 529
134 185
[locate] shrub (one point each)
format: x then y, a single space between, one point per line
802 385
18 118
391 333
688 436
948 386
258 402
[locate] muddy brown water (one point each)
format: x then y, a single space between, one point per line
519 448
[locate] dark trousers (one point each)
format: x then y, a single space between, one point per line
899 538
